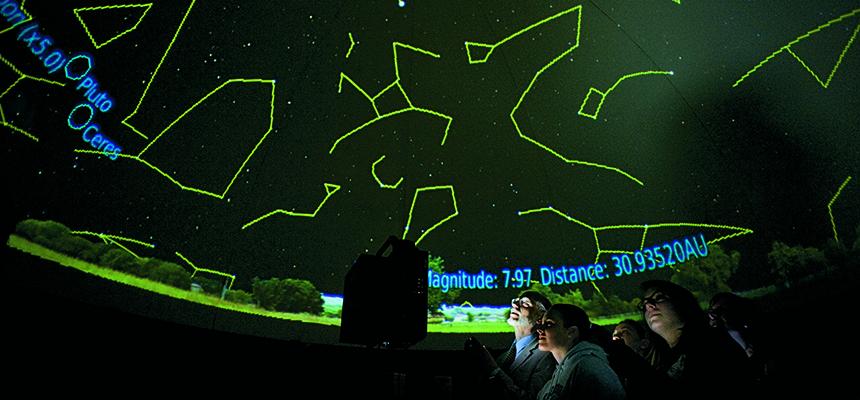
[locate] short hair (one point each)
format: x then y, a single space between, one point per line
572 315
738 311
538 298
636 325
683 300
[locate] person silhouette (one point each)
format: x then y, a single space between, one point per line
583 370
522 370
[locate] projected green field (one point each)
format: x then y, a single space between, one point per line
574 148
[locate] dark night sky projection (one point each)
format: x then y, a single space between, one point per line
766 155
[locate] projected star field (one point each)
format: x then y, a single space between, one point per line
283 139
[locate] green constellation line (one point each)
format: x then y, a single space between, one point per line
397 84
164 174
230 81
25 20
529 88
493 47
21 77
155 72
642 246
330 189
645 227
787 47
412 207
830 207
202 99
382 185
211 271
87 30
113 239
351 45
677 1
644 233
534 80
241 167
611 88
466 303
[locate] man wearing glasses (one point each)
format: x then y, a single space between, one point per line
522 371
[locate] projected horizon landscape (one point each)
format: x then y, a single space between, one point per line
244 155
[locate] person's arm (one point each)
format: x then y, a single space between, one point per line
539 376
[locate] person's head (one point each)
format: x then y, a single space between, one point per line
630 332
527 309
729 311
668 308
563 326
600 336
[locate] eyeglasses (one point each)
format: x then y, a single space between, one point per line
653 300
522 302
